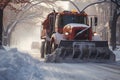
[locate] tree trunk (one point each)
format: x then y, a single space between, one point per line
113 29
1 25
113 34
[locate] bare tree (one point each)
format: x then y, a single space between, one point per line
116 14
27 10
3 4
117 2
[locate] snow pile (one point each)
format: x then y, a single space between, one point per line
117 53
15 65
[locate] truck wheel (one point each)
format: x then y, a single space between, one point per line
47 47
53 46
42 49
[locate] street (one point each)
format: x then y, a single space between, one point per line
80 71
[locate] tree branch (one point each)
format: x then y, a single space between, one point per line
94 4
117 2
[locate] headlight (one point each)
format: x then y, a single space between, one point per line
66 33
95 34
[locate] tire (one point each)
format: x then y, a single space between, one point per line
45 48
53 46
42 49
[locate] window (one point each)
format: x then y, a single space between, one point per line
66 19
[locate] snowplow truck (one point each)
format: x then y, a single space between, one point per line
68 38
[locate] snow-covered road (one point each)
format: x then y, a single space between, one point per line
80 71
15 65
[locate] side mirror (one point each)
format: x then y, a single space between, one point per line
95 21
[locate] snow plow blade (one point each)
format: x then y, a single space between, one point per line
81 51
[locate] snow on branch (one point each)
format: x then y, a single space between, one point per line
26 11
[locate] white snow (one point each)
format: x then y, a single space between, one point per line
15 65
117 53
77 25
58 37
80 71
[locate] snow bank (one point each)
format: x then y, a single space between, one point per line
117 53
15 65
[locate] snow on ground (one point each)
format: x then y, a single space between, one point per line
81 71
117 53
15 65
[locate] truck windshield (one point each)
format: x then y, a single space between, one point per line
66 19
